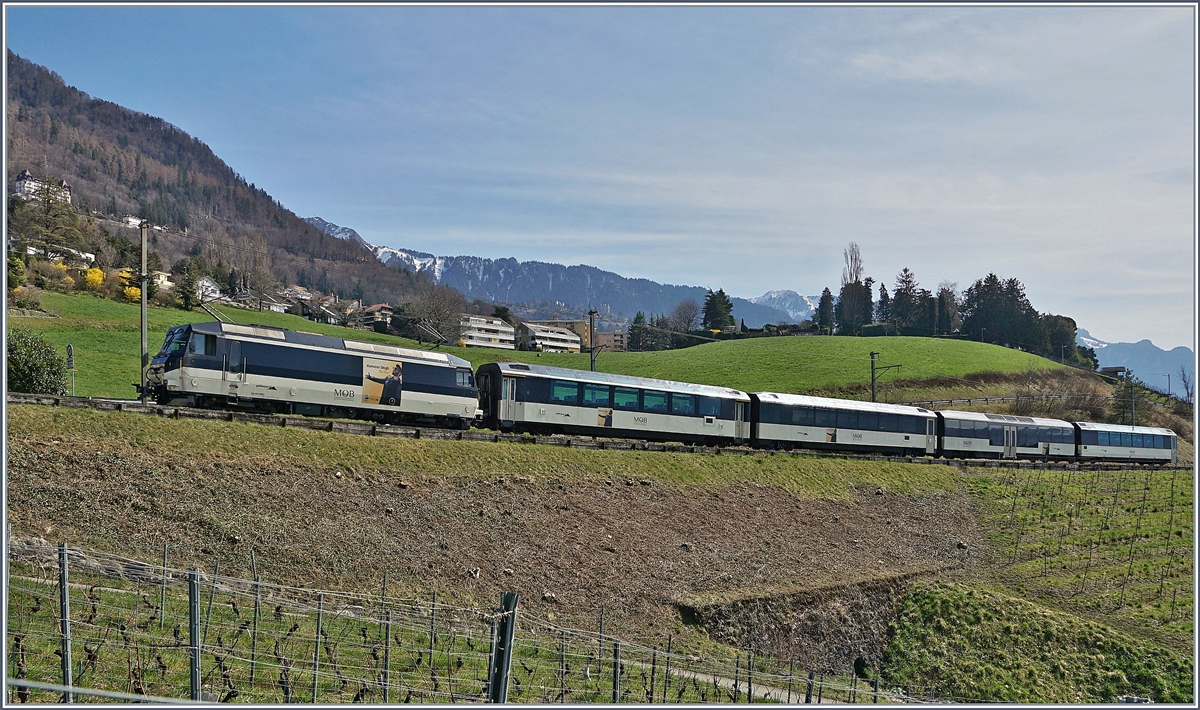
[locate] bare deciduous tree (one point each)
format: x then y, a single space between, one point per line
684 315
438 314
854 268
1185 381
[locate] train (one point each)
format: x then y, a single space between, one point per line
273 370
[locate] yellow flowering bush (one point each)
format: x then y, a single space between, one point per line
94 278
133 293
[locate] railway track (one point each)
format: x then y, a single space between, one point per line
134 406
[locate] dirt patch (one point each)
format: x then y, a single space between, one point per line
639 549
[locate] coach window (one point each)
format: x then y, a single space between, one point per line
825 418
683 404
1126 439
596 395
1101 438
868 421
654 401
709 407
996 435
802 416
887 422
1137 440
847 419
625 398
564 392
1090 438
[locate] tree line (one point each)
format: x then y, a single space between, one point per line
992 310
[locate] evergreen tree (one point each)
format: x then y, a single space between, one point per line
883 309
825 312
947 307
636 341
718 310
905 305
188 289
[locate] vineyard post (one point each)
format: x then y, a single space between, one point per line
616 672
667 670
562 665
317 647
212 592
808 687
387 655
737 681
502 655
257 615
600 652
194 629
162 595
653 672
820 688
875 689
64 608
750 677
432 632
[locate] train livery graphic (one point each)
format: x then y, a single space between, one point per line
264 369
383 381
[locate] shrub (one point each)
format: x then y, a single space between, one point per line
27 297
165 298
133 294
33 365
94 278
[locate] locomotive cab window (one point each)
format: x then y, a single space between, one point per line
463 378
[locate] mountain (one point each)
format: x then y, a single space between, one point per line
120 161
575 287
1148 361
796 306
335 231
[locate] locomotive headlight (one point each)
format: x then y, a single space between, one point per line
292 391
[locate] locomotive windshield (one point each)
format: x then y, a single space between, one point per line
175 342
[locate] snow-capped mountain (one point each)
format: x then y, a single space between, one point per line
1150 363
797 306
340 232
415 261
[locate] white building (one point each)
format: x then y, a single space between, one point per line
547 339
28 187
208 290
480 332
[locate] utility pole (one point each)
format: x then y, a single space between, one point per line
1132 400
143 281
874 371
1168 376
592 336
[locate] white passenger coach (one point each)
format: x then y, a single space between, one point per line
791 420
1004 436
1121 442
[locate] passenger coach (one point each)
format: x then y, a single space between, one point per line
790 420
1118 442
1004 436
539 399
292 372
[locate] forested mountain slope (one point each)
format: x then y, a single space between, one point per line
119 161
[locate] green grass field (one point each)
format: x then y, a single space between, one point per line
105 336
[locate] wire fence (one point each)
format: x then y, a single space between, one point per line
148 630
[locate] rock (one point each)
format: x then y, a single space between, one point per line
337 474
629 482
508 571
962 545
686 546
473 573
402 484
235 539
548 596
389 510
645 481
878 491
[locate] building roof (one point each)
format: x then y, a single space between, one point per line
548 330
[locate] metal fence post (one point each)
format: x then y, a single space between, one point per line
212 593
616 671
387 655
562 665
875 689
667 670
317 646
809 687
750 677
194 629
502 656
64 607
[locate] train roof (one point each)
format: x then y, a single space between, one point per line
801 400
1094 426
300 337
522 369
1003 418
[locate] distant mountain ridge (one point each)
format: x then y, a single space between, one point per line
1148 361
797 306
340 232
580 286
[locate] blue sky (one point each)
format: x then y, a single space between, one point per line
740 148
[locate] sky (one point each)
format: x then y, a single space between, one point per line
727 147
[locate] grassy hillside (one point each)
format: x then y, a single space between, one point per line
105 339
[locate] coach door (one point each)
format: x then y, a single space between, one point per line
508 402
234 364
930 435
739 416
1010 442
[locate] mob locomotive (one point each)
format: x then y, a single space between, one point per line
265 369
